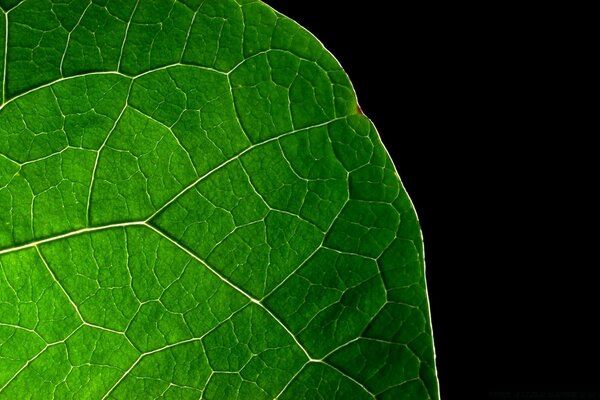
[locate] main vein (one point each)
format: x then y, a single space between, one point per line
70 234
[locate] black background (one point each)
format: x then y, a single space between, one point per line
471 106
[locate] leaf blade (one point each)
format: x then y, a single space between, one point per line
238 205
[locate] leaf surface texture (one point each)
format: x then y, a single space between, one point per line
191 206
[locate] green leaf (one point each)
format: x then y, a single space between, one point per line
192 206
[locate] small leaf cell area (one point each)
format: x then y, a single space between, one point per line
193 206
